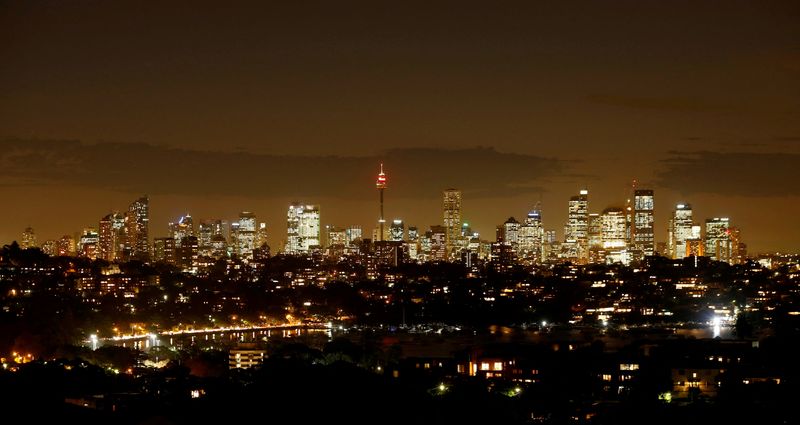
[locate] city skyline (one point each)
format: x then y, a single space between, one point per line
257 106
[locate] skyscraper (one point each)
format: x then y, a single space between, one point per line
352 234
680 230
88 243
137 229
184 227
452 217
718 239
246 235
397 231
111 236
642 234
531 237
303 228
380 184
28 238
577 228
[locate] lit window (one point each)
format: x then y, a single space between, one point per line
484 366
498 365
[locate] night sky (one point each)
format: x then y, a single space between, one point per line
216 107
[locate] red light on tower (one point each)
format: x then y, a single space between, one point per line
381 182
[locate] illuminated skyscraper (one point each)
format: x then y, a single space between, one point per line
642 233
28 238
452 217
718 239
184 227
66 246
164 250
531 237
246 235
509 233
352 234
397 231
437 245
261 235
303 228
595 231
380 184
111 236
613 229
335 236
88 243
137 230
577 228
680 230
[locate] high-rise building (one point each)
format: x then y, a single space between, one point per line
642 233
111 236
28 238
164 250
50 247
577 229
335 236
613 229
531 237
246 235
303 228
380 184
137 230
88 244
187 255
211 239
184 227
437 248
397 231
738 248
261 235
680 230
595 231
66 246
718 239
509 233
452 217
352 234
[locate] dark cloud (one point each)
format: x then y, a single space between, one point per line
481 172
731 173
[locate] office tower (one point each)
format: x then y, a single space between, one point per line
50 247
413 233
111 236
531 236
642 233
437 237
614 229
397 231
246 235
509 232
303 229
452 217
187 255
718 239
261 235
66 246
182 228
680 229
352 234
577 229
88 244
335 236
205 233
28 238
164 250
595 231
380 184
738 248
137 230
